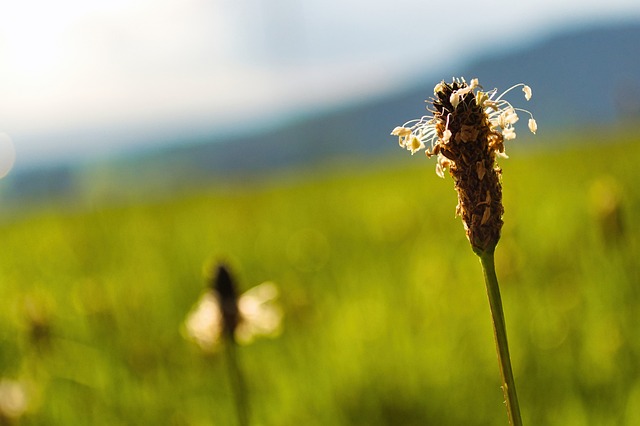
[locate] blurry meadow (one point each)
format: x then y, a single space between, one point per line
386 320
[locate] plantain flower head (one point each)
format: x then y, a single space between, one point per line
219 313
466 130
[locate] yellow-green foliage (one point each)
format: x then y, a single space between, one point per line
387 321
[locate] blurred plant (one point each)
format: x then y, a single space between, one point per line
37 319
13 401
466 132
258 315
607 208
222 319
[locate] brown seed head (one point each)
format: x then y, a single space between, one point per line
471 153
466 132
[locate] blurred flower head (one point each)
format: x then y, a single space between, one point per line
258 315
13 399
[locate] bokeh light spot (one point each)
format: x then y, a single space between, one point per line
7 154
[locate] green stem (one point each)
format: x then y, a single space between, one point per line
237 383
500 334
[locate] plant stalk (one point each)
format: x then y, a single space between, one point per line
237 383
500 334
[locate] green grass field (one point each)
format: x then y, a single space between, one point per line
386 315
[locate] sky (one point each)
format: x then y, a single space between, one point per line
87 78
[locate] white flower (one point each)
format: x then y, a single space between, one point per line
259 312
508 133
446 136
204 323
442 163
402 133
13 399
414 144
455 99
510 117
460 92
503 115
482 99
416 134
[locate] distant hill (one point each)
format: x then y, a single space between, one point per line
585 77
588 76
